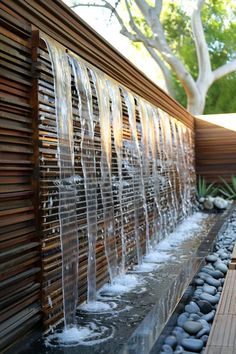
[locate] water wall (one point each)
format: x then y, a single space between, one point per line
116 176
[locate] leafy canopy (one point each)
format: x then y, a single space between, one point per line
220 30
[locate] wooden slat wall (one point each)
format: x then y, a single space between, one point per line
215 148
49 174
24 99
19 241
58 21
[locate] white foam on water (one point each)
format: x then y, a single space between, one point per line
183 232
145 267
121 284
88 335
156 257
98 306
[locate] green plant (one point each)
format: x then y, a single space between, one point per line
204 189
228 190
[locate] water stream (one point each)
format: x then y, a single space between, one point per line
67 181
136 169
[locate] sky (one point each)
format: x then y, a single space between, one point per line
99 20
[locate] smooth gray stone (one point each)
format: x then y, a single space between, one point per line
167 349
192 327
224 256
209 316
171 341
203 275
210 298
209 289
199 281
221 267
204 338
211 258
213 282
182 319
179 350
217 274
192 344
194 317
192 307
204 323
205 306
203 331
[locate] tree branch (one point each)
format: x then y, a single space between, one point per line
224 70
204 63
158 7
165 70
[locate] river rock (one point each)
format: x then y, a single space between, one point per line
192 307
194 317
199 281
171 341
182 319
211 258
217 274
224 256
209 316
209 289
221 267
203 331
205 306
208 204
192 327
179 349
213 282
192 344
210 298
167 349
220 203
204 339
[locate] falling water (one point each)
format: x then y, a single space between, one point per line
117 124
138 180
88 162
145 164
66 184
151 151
184 167
99 80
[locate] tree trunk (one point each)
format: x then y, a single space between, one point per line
196 104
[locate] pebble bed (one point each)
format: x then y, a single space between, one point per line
193 326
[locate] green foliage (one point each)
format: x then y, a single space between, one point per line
228 190
219 22
204 189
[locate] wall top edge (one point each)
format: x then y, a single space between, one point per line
57 20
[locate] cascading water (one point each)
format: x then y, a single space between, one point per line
88 162
66 182
117 124
145 165
138 181
154 172
106 179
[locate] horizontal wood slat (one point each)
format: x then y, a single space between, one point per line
19 241
61 23
215 149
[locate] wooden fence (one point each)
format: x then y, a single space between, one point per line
30 249
215 146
